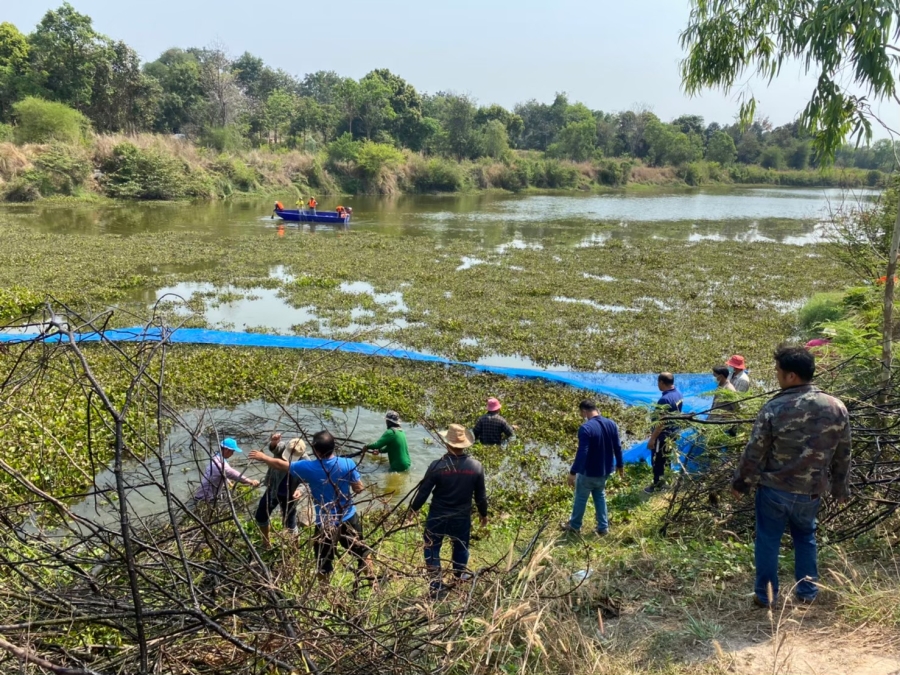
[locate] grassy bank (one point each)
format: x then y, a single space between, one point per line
164 168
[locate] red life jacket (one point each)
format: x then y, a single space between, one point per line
279 206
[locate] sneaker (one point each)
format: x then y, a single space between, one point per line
437 590
568 529
806 600
601 533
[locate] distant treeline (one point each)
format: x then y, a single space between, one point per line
230 104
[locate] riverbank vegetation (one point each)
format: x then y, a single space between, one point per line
198 123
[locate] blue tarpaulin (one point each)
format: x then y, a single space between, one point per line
637 389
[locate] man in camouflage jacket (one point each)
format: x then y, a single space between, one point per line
799 449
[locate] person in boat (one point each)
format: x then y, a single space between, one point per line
313 204
278 207
300 203
393 442
340 211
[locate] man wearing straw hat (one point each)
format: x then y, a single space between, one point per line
282 488
453 482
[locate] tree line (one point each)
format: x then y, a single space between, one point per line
229 103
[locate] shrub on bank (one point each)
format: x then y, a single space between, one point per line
436 175
821 308
40 121
135 173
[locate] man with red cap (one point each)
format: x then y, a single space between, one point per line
492 429
739 377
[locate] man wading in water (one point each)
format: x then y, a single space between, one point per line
393 442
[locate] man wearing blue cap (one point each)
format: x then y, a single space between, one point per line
219 471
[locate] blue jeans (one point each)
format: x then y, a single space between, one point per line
585 487
774 510
458 530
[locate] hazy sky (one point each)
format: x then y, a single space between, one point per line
609 54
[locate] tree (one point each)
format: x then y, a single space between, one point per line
279 111
373 104
577 140
845 43
721 149
64 50
182 98
13 67
123 98
494 139
689 124
772 158
224 98
405 124
324 86
798 155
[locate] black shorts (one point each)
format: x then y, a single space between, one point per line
349 535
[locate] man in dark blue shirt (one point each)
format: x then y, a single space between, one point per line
599 453
664 433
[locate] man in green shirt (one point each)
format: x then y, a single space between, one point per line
392 441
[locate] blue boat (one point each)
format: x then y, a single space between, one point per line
332 217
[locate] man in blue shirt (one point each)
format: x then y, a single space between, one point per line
664 433
599 453
332 483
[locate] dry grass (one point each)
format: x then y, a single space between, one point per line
14 160
653 175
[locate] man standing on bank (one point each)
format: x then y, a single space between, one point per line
663 435
454 481
492 428
599 453
800 444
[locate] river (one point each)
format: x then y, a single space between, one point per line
480 225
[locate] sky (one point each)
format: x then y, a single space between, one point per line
611 55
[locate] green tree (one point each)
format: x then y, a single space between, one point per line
798 155
64 49
845 43
494 139
406 124
721 149
182 100
576 140
40 121
324 86
123 98
772 158
13 67
279 111
373 105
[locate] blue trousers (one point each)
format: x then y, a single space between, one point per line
586 487
458 530
775 510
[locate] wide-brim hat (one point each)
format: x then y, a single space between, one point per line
230 444
297 447
493 404
393 417
457 436
736 361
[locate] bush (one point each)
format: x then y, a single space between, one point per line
695 173
343 149
557 175
132 173
373 157
241 177
25 187
517 176
821 308
40 121
16 302
66 168
6 133
613 172
438 175
223 139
